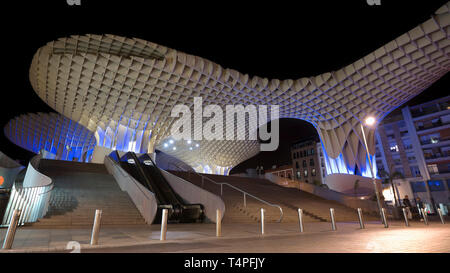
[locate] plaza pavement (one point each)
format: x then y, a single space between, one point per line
238 238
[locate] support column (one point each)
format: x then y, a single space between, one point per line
417 147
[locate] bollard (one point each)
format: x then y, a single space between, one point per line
262 220
9 238
300 219
164 225
441 216
361 222
333 223
221 189
424 215
245 200
383 214
96 227
218 223
405 215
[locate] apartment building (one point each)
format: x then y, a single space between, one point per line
308 161
416 142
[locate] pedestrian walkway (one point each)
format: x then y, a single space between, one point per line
244 237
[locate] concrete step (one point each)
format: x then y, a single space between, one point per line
290 199
80 189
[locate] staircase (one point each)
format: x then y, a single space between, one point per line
80 189
315 209
235 211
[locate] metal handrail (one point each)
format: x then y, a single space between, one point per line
235 188
29 200
33 201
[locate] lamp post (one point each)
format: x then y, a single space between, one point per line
370 121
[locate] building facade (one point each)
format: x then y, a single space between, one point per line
416 143
284 171
308 161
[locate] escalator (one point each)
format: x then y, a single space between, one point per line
144 170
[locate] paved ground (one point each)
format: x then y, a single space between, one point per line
284 238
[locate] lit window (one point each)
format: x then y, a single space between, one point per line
394 148
433 169
436 186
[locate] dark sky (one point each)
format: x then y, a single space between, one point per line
276 40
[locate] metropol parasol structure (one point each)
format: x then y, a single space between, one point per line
121 91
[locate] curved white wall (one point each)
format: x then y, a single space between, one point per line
196 195
345 183
144 199
99 153
33 178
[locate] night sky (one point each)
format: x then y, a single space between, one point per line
277 40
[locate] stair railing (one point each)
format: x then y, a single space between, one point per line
221 184
33 202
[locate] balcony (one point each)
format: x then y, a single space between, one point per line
407 147
428 111
432 127
430 143
434 158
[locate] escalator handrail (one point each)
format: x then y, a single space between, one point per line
178 199
142 172
126 174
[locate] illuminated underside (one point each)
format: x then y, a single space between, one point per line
101 81
54 133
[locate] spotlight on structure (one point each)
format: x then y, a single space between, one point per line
370 121
189 141
165 145
174 148
171 141
196 145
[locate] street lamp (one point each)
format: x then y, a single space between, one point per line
370 121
